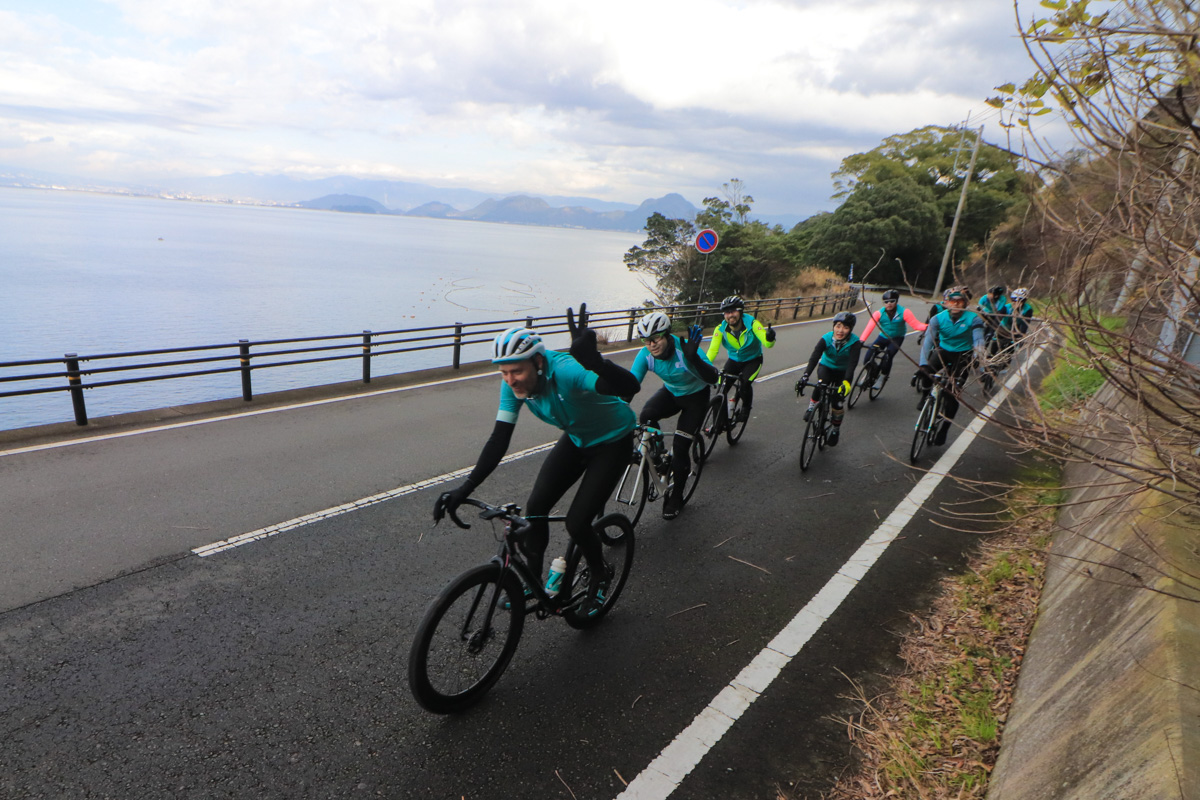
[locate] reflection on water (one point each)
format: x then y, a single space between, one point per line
87 274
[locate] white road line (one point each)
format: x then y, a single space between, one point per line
345 508
665 773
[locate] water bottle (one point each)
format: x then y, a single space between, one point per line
554 580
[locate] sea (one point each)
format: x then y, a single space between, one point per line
97 273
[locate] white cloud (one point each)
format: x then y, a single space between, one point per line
633 99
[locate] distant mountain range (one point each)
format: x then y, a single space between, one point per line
521 210
357 195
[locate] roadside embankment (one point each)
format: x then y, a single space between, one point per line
1108 700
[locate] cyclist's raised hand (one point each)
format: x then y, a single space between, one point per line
583 340
770 333
448 503
691 344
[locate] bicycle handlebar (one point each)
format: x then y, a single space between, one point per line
508 513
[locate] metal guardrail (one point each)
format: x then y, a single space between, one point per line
80 371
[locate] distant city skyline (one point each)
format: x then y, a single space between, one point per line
619 101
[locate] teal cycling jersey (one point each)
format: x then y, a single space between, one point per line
987 306
746 346
1020 314
957 336
567 399
677 374
837 356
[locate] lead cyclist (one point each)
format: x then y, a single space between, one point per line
581 394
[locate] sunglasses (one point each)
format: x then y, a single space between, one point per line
658 337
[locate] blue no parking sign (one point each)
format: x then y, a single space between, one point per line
706 240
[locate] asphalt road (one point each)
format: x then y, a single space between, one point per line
131 667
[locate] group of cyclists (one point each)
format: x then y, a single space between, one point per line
588 396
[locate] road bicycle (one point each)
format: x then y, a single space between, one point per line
868 374
726 412
648 476
469 633
816 428
929 417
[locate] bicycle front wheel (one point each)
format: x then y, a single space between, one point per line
466 639
616 539
922 433
808 445
633 490
736 425
714 419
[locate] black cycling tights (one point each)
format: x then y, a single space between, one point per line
601 467
691 409
748 370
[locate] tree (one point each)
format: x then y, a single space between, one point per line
667 258
890 220
1126 220
937 158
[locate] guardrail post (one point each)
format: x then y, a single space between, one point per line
796 308
632 319
457 343
366 356
244 348
75 380
824 303
529 323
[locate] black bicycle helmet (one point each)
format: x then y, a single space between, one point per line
844 317
732 303
891 294
997 290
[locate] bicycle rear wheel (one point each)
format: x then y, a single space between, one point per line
736 425
616 538
466 639
808 445
714 419
633 490
923 432
861 384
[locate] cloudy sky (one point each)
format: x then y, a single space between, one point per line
615 99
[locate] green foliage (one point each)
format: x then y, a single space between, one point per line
667 257
897 220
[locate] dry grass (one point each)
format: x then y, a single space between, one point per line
936 733
808 282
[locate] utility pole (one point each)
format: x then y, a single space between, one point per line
962 200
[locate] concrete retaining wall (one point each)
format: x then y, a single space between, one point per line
1108 700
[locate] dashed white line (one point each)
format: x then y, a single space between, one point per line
345 508
666 772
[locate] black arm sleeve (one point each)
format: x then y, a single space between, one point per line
616 381
815 357
707 372
493 451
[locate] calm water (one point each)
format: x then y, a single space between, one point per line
85 273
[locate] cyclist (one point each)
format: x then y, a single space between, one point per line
1022 311
894 322
686 375
744 338
937 308
992 308
834 355
579 392
953 342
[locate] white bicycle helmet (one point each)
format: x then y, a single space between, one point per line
1019 294
516 344
652 324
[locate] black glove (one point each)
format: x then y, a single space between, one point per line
691 344
770 333
583 341
448 503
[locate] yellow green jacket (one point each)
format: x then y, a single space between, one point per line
742 347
